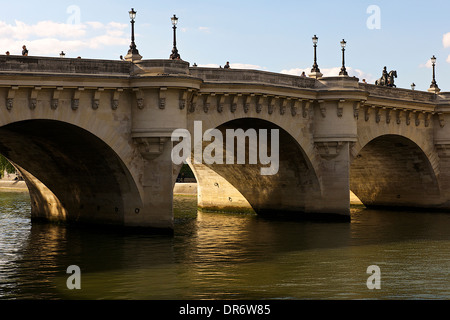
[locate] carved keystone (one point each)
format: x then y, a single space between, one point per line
115 99
329 149
162 98
283 105
398 115
271 105
33 97
388 115
150 147
10 97
96 99
247 102
294 107
340 108
356 106
377 115
427 119
55 98
221 103
441 119
183 98
139 98
76 98
193 102
306 107
234 103
417 118
259 104
408 117
322 108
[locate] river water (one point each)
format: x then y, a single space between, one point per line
227 256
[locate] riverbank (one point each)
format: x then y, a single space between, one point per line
179 189
16 185
191 189
185 189
13 185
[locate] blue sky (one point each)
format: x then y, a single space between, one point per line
273 36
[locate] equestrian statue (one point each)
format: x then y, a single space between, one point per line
387 79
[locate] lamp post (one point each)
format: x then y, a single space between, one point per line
133 53
315 71
343 69
433 87
62 54
433 63
413 86
315 67
175 55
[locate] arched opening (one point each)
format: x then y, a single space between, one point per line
241 187
71 174
393 171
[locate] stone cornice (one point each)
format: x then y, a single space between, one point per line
45 72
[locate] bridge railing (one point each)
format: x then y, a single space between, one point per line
398 93
32 64
246 76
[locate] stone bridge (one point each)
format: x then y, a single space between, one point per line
92 139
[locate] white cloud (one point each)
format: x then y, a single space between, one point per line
426 64
95 24
448 59
446 40
246 66
208 65
49 38
204 29
44 29
117 25
332 72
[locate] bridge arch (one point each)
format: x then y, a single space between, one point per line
291 192
71 173
393 170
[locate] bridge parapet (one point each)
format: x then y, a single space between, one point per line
48 65
160 67
245 76
398 93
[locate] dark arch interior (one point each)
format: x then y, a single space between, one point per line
83 172
287 193
392 171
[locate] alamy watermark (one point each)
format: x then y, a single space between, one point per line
374 281
74 12
374 20
213 153
73 281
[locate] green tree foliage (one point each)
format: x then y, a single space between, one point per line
187 172
5 165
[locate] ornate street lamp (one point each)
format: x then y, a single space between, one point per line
133 53
174 55
315 71
315 67
343 69
434 87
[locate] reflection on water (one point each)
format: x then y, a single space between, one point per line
227 256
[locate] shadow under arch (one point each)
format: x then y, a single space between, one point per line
290 193
392 171
72 175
